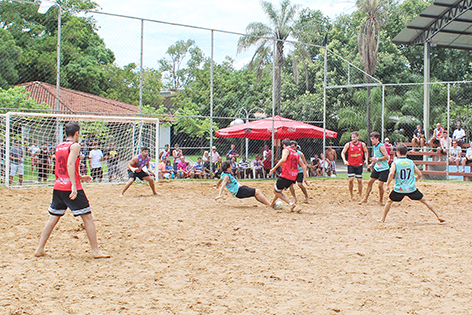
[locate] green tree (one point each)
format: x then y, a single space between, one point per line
10 56
16 98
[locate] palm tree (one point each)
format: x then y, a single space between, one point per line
368 41
280 28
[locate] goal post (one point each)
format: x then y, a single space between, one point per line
28 140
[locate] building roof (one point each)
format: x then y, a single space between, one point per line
72 101
445 23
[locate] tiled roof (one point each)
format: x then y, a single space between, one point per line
72 101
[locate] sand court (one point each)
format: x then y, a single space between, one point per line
185 253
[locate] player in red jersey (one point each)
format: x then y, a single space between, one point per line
68 192
358 155
289 161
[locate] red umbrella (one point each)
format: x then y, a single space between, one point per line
284 128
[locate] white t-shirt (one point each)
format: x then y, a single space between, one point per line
34 149
457 151
95 157
458 134
468 154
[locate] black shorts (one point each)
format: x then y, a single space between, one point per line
283 183
96 172
467 161
354 171
43 171
396 196
436 141
381 176
61 201
245 192
300 178
141 174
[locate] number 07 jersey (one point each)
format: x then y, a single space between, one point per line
62 182
405 181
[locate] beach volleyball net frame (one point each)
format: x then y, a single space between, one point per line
129 135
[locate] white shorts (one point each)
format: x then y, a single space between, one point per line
14 168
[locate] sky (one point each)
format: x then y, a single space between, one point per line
123 36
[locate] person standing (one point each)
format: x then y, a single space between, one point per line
135 169
379 166
301 176
176 154
232 153
113 163
68 192
43 163
357 157
96 156
33 151
331 157
403 169
16 162
289 162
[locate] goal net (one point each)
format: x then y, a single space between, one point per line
27 143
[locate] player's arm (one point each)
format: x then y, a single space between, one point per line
366 153
285 154
343 154
383 150
133 161
393 169
149 169
305 170
160 154
223 184
418 173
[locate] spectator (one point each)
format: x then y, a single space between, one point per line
162 172
267 164
232 153
16 161
215 156
43 163
314 166
235 167
113 162
468 157
165 153
259 166
182 170
245 168
2 162
455 154
176 154
445 143
206 163
267 153
459 135
217 167
95 158
418 138
170 169
197 169
434 141
83 158
33 151
331 157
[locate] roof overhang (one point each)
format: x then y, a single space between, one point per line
445 23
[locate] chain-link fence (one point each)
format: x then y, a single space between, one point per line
199 80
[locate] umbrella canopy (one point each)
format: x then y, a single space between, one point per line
283 128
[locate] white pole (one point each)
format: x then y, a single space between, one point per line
157 149
324 100
7 150
448 112
141 70
273 100
383 112
58 66
211 103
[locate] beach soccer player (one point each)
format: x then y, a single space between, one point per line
301 177
289 162
135 169
235 188
356 155
379 166
68 192
404 170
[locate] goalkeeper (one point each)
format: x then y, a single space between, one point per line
135 169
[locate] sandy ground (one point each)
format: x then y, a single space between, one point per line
185 253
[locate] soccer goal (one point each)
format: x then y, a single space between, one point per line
27 142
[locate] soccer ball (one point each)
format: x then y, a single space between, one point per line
278 205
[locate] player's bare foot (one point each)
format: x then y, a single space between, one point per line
441 220
156 194
40 253
292 206
307 200
362 202
121 195
99 255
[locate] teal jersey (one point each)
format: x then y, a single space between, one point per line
232 185
404 176
300 169
379 165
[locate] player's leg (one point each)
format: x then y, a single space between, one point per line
292 191
386 210
151 184
89 226
368 190
359 186
305 192
351 187
47 230
432 208
261 198
130 181
381 193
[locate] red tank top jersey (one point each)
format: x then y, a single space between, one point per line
355 154
290 167
62 182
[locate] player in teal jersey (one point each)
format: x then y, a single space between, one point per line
379 166
404 170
